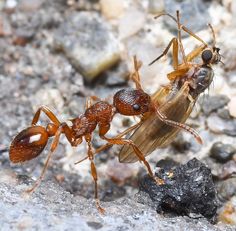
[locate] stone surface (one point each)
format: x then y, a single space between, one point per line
52 208
88 43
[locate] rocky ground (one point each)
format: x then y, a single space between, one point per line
58 53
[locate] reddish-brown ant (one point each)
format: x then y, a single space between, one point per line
30 142
188 81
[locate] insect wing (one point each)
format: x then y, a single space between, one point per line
153 133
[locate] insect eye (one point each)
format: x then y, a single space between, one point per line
207 56
136 107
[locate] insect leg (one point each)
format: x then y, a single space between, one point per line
178 125
173 41
184 28
52 149
178 73
107 145
93 173
135 77
138 153
49 114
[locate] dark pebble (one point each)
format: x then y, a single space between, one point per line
190 191
222 152
95 225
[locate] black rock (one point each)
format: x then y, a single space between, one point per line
188 190
222 152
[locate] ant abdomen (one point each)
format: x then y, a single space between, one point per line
28 144
132 102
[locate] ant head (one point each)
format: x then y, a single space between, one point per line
211 56
132 102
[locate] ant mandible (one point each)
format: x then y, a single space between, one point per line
30 142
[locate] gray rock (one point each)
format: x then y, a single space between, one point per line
221 126
52 208
88 43
212 103
195 21
226 189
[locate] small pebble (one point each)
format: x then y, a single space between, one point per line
222 152
29 5
228 213
156 7
221 126
131 23
226 189
112 8
232 106
120 172
212 103
224 114
10 4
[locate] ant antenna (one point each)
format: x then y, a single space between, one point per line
179 37
182 27
213 34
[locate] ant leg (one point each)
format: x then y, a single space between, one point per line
52 149
180 38
93 173
49 114
172 123
104 128
138 153
183 69
196 52
128 130
173 41
107 145
135 77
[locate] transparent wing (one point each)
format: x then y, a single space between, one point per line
152 133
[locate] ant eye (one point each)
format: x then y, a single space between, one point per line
207 56
136 107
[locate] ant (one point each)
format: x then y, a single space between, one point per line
177 99
30 142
